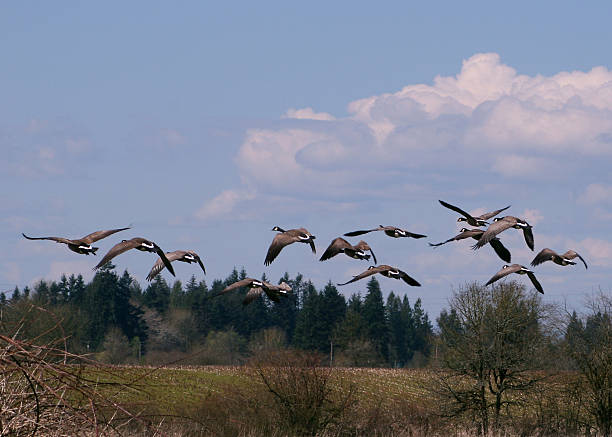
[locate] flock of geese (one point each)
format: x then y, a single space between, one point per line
337 246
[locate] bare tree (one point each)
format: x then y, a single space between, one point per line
303 391
589 344
490 349
44 389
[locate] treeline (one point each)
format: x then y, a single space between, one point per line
115 317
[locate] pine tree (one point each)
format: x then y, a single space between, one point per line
41 293
177 296
423 330
374 316
64 289
284 313
16 296
397 331
76 290
309 328
157 295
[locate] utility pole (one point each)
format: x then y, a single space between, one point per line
331 353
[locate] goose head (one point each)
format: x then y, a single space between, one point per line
278 229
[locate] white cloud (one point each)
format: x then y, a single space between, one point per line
596 251
171 137
308 114
533 216
222 204
597 194
517 165
487 118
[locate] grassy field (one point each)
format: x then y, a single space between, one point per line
185 387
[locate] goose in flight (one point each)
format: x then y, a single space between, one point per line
563 260
480 220
340 245
501 224
82 245
135 243
257 288
391 231
385 270
495 242
284 238
187 256
519 269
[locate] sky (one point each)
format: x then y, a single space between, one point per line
203 125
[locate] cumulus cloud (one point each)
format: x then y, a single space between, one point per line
308 114
533 216
597 194
223 204
171 137
487 118
597 251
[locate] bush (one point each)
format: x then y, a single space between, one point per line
302 392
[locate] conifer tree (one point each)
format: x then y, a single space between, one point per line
374 316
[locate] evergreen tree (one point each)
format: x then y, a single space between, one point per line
374 316
127 316
41 293
397 331
16 295
353 327
423 330
284 313
64 289
157 295
309 328
177 296
98 303
54 294
76 290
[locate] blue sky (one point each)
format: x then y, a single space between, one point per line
204 125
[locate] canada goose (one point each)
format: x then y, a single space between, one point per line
340 245
187 256
256 288
480 220
497 245
82 245
135 243
385 270
516 268
284 238
501 224
563 260
391 231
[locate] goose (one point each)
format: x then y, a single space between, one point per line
256 288
501 224
340 245
480 220
391 231
385 270
284 238
82 245
519 269
187 256
135 243
495 242
563 260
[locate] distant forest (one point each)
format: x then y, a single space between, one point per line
116 319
